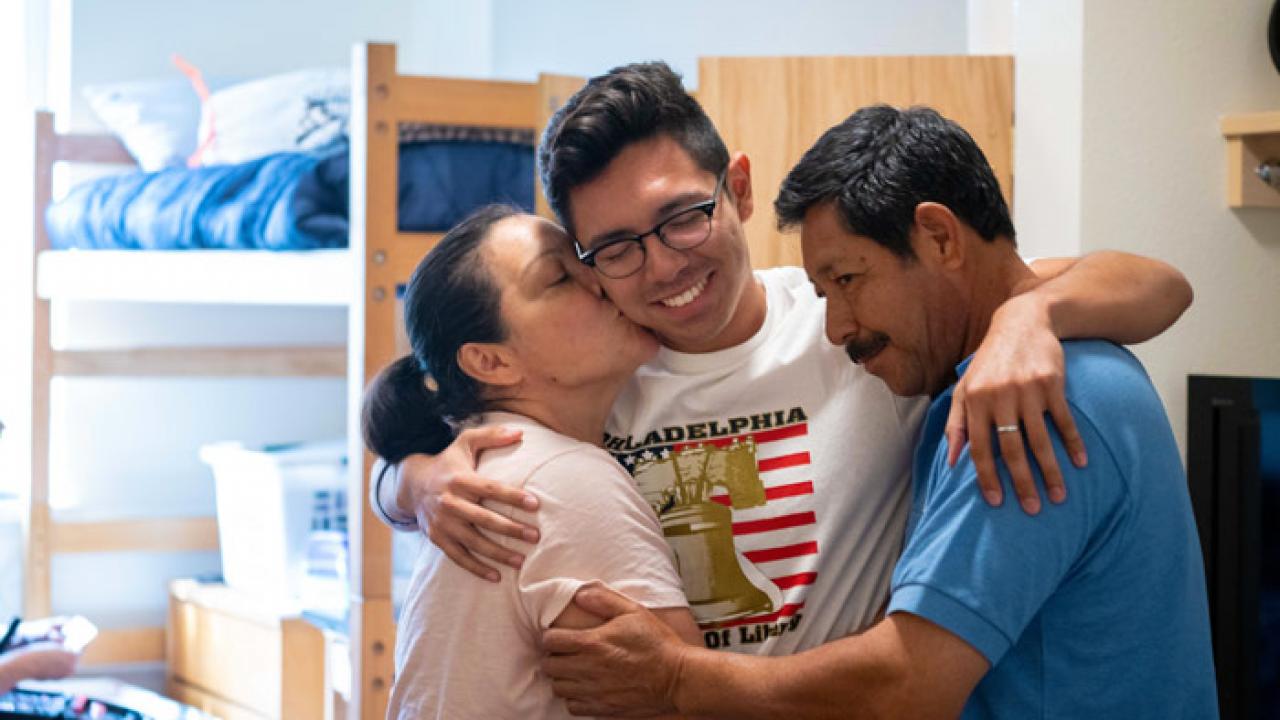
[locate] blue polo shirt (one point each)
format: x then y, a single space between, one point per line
1094 608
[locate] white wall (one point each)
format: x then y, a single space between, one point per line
587 37
450 38
1153 80
991 26
113 40
1047 136
1157 77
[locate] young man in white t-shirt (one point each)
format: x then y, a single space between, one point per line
777 467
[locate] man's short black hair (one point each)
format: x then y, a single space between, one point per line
625 105
882 162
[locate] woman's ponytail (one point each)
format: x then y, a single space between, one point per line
401 415
450 300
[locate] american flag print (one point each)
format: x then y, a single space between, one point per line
735 499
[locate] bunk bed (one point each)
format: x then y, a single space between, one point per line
977 91
362 277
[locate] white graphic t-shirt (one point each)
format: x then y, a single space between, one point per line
780 473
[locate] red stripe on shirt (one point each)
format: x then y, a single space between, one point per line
787 611
773 493
787 581
782 553
783 461
776 523
782 433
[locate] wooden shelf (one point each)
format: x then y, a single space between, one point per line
229 652
204 362
116 646
195 534
1252 139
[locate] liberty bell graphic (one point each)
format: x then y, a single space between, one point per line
700 530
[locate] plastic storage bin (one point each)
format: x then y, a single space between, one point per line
266 501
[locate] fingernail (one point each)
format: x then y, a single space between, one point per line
993 498
531 535
530 502
492 577
1080 458
1031 505
1057 494
516 561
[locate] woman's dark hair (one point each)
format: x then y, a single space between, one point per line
882 162
451 300
628 104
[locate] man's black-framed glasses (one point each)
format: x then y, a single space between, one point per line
685 230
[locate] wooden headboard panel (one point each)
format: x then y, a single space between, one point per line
773 109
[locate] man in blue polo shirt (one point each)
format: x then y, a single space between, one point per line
1095 608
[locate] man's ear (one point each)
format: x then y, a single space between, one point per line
937 235
490 364
738 182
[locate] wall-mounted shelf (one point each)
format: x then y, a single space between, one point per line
1252 139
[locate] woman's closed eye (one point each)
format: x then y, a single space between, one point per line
556 273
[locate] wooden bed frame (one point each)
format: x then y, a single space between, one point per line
976 91
363 278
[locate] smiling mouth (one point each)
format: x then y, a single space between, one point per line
686 297
861 351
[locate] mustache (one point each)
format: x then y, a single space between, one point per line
860 349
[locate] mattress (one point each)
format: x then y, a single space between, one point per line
285 201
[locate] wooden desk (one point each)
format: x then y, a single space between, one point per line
231 656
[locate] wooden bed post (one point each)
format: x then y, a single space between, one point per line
371 345
37 600
553 92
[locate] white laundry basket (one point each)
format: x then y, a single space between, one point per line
266 501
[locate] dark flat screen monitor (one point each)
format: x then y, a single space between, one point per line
1233 468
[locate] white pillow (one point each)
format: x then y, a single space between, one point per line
300 110
156 120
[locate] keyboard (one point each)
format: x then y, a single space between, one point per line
29 704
